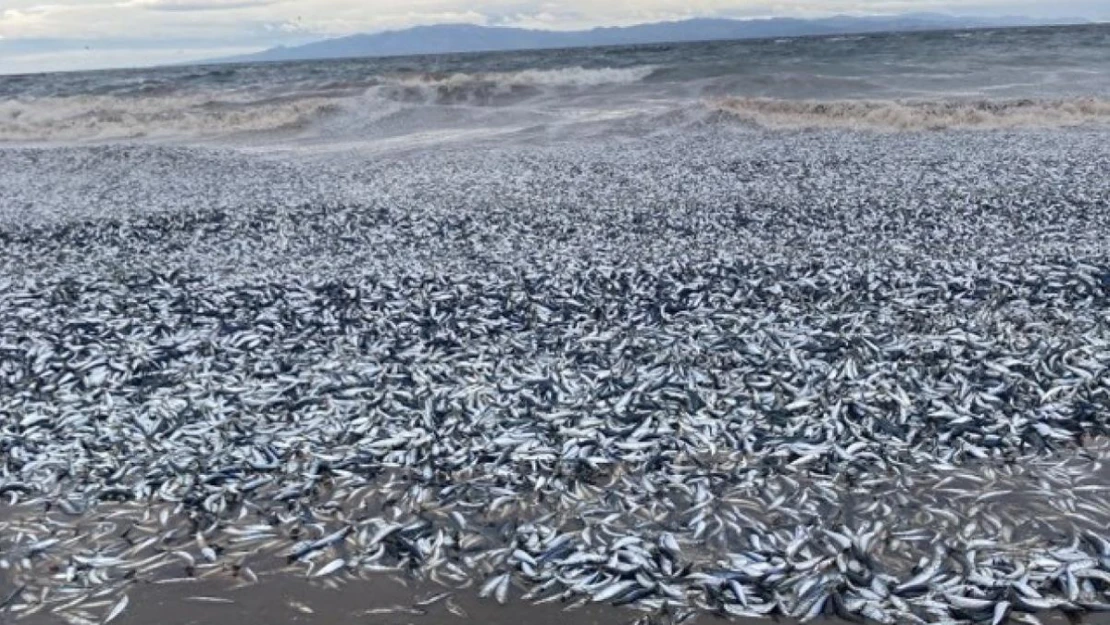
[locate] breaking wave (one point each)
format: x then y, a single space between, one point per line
205 115
106 117
500 88
915 115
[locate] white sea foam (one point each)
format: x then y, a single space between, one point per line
915 115
492 88
561 77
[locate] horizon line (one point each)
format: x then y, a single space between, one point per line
1033 23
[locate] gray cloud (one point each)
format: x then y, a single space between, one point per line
210 5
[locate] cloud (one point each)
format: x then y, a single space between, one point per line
204 5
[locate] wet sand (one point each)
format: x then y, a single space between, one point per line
288 600
383 601
283 599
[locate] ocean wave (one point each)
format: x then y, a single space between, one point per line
77 118
500 88
217 114
897 115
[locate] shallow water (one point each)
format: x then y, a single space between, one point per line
979 79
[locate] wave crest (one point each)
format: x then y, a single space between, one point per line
915 115
209 115
500 88
77 118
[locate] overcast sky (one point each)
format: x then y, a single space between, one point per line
45 35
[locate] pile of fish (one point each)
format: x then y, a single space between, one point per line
750 380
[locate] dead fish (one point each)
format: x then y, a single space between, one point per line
116 610
330 567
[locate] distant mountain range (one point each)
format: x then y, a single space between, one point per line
454 38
